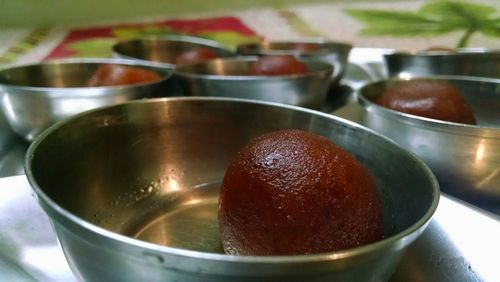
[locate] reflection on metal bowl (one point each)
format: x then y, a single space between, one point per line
164 50
36 96
228 78
335 53
465 158
469 62
132 191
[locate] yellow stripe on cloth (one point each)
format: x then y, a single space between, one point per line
23 46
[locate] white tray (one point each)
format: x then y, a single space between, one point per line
460 244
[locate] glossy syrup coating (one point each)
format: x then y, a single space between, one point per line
428 98
193 56
114 75
277 65
291 192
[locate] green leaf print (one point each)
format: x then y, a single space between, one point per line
135 32
432 19
229 39
95 47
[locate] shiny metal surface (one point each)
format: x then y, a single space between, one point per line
335 53
12 150
228 78
13 147
469 62
29 250
465 158
36 96
164 49
143 163
458 245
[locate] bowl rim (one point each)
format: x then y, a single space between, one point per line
174 38
324 68
164 72
254 48
424 122
410 233
458 53
179 38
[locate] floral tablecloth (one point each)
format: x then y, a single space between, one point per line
408 25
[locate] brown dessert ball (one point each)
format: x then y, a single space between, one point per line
114 75
197 55
292 192
428 98
277 65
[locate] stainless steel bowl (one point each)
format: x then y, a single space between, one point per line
132 191
36 96
467 62
465 158
228 78
164 50
335 53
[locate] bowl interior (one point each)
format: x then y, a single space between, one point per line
62 74
163 50
151 170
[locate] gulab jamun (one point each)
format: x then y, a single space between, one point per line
193 56
428 98
114 75
277 65
292 192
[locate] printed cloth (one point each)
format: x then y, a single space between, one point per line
412 25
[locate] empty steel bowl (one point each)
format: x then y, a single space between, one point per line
132 191
465 158
165 49
228 78
466 62
335 53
